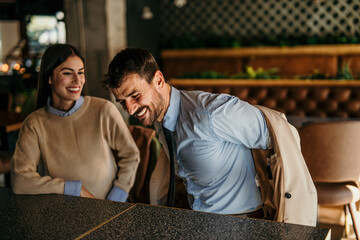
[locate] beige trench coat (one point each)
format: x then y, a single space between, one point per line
290 195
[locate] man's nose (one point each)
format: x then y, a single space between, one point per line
130 107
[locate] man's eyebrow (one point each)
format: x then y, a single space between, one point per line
131 93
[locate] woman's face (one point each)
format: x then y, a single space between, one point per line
67 82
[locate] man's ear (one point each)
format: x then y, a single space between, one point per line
159 80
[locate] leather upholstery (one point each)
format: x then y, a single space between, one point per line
331 150
337 193
332 154
317 101
5 159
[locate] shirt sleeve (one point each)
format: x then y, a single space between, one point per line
72 188
239 122
120 140
117 194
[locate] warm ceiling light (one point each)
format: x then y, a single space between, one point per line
4 68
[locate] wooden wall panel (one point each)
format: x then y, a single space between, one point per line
291 66
290 61
173 67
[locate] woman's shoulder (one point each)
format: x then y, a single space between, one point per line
97 100
35 117
102 103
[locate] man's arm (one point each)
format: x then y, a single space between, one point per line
239 122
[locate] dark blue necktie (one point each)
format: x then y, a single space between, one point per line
171 193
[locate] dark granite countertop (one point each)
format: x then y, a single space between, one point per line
63 217
52 216
150 222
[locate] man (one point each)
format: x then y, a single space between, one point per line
213 134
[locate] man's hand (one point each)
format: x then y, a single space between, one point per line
85 193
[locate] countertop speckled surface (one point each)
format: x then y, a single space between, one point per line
64 217
52 216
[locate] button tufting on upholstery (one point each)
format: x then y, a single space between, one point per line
241 93
260 94
319 101
270 103
289 105
352 106
321 94
299 93
279 93
342 95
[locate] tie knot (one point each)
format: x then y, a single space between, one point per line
167 131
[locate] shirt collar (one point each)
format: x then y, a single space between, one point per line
60 113
172 113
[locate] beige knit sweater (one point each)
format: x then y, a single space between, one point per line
77 147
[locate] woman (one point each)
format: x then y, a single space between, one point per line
66 146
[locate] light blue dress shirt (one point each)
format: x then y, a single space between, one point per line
73 188
213 138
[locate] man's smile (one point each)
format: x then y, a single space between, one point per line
141 113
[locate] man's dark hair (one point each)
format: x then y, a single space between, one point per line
130 61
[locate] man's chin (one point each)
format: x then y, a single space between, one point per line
146 122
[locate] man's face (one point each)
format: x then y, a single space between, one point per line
140 99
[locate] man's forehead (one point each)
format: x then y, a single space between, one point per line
126 89
132 83
123 90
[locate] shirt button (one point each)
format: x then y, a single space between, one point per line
287 195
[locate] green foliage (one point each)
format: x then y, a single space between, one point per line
204 75
260 73
192 40
315 75
250 73
345 72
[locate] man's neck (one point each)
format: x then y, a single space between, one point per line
166 96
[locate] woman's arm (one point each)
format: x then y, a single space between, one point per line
24 176
120 140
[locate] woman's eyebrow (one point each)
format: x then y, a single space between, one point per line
66 68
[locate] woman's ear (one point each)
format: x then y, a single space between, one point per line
50 82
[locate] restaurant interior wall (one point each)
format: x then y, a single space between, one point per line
143 21
254 21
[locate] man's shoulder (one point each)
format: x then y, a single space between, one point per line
200 100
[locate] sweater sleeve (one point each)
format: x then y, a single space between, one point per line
121 141
24 176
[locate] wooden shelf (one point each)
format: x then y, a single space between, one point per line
263 83
290 61
339 49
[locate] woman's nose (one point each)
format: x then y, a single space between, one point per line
76 78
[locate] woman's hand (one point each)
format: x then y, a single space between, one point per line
85 193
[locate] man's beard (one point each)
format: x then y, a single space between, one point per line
155 109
